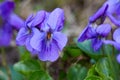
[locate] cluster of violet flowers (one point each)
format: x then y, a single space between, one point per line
98 33
41 34
9 22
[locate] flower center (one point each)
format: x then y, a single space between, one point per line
48 35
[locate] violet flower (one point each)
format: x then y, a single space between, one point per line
49 41
47 38
109 8
25 33
8 22
96 34
42 34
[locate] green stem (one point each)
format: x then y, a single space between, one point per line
4 63
113 50
111 65
103 50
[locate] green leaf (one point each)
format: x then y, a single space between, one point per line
39 75
92 74
32 70
76 72
14 75
3 76
73 51
103 69
86 47
27 66
100 71
93 77
24 54
92 71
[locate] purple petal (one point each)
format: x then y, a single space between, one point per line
43 26
112 6
91 33
118 9
36 40
16 21
61 39
56 19
28 21
29 47
96 44
30 17
116 45
5 39
22 36
116 35
83 35
118 58
49 53
88 33
113 19
6 8
103 30
40 16
99 13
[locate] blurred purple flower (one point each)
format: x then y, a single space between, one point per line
5 35
110 8
96 34
8 22
6 8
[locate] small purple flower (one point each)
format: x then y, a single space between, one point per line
42 34
96 34
109 8
49 41
8 22
25 33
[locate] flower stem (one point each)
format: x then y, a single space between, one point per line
103 52
113 50
4 63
